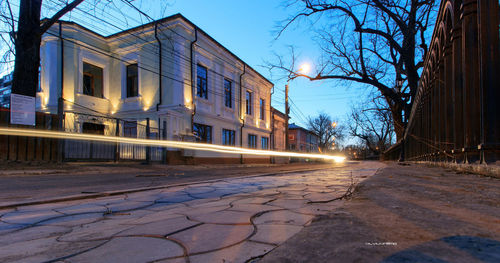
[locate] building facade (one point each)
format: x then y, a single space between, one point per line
301 139
278 130
312 141
278 134
167 79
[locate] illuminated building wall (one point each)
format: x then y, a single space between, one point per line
182 44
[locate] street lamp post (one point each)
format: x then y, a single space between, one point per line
287 112
304 69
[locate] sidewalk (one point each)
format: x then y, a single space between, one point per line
406 214
70 181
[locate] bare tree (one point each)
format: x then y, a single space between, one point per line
379 43
327 130
6 34
22 35
372 125
27 41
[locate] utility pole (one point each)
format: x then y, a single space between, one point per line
287 112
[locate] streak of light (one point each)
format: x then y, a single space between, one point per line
163 143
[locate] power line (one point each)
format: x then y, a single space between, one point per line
144 64
212 91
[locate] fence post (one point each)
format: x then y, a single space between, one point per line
164 135
60 118
148 147
117 145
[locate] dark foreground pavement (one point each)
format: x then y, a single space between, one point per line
406 214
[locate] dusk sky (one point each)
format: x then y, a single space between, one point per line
248 29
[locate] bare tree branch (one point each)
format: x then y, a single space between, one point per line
49 22
380 43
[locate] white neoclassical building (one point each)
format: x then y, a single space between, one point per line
168 73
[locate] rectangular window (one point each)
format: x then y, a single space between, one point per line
264 143
132 81
92 80
252 141
228 137
228 93
262 109
248 103
93 128
130 129
202 132
201 87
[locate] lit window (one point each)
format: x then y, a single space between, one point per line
92 80
228 93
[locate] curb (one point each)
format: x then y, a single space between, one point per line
134 190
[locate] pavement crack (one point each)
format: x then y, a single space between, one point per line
184 249
270 201
184 229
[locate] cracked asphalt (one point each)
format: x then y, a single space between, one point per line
227 220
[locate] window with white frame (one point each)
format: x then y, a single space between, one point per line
132 80
264 143
262 109
201 87
202 132
228 93
92 80
248 101
228 137
252 141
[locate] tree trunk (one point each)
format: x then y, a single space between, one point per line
397 117
27 44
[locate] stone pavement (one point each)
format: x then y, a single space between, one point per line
405 213
228 220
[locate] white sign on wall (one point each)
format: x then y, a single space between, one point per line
22 109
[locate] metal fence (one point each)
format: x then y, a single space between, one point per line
456 113
102 151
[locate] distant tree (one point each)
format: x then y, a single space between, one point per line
372 124
379 43
327 130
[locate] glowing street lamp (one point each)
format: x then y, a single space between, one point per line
304 68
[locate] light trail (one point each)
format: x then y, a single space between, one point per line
163 143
